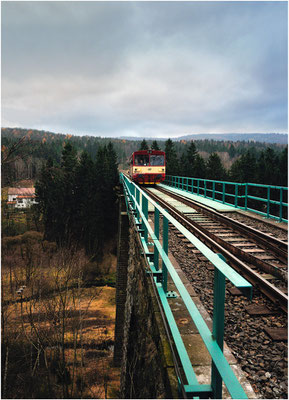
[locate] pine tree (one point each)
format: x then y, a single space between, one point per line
232 151
50 199
69 158
144 145
172 165
215 169
283 168
200 169
69 164
267 166
84 189
112 166
190 159
155 145
244 169
182 165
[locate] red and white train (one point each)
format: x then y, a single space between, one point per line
148 167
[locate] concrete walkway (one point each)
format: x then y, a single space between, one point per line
202 200
196 349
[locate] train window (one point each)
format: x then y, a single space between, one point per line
141 159
157 160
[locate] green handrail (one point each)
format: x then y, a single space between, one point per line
238 195
221 370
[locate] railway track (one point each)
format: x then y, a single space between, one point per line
257 256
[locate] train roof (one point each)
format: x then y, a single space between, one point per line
149 152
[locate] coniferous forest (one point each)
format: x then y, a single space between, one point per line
58 278
238 161
77 198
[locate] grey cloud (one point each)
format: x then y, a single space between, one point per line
145 67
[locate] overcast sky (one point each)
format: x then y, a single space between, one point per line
154 69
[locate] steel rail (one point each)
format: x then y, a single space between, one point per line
279 247
273 293
243 229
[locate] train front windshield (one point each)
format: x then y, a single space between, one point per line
157 160
141 159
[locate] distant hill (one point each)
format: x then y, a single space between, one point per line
280 138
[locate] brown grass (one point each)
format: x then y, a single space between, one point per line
34 320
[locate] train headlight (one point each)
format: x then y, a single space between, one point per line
161 169
136 169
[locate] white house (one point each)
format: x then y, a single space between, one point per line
21 197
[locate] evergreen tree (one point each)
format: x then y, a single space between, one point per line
190 159
111 178
267 167
69 158
172 165
155 145
144 145
69 164
232 151
84 190
200 169
244 169
182 165
235 172
50 199
112 166
283 168
215 169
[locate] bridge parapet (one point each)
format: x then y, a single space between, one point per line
137 205
267 200
141 345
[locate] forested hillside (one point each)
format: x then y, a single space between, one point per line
58 270
211 159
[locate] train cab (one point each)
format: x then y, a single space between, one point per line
147 167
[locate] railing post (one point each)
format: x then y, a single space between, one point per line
268 202
246 196
137 200
218 325
205 186
157 233
166 250
192 182
281 205
198 189
145 211
214 190
236 195
224 188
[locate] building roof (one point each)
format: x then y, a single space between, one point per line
22 191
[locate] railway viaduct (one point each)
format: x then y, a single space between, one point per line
165 342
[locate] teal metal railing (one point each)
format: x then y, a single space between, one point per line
266 200
137 203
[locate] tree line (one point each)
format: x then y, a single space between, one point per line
39 146
266 167
77 198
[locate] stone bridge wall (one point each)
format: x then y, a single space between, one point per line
141 346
